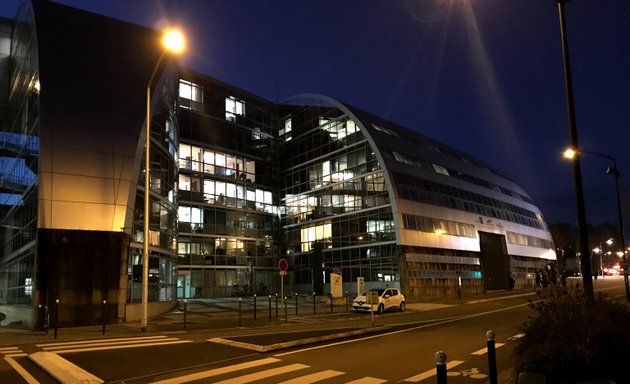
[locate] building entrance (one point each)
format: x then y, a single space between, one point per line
495 261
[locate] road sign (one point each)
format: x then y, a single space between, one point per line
283 265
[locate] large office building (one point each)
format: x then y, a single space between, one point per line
236 183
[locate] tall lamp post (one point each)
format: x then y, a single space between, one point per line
172 41
570 154
587 279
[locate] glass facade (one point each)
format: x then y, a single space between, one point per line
162 202
336 212
19 132
228 199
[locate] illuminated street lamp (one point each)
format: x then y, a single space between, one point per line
173 41
587 279
571 153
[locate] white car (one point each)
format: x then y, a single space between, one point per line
389 299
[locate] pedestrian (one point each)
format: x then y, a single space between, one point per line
538 279
511 283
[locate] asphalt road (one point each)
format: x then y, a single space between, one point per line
401 350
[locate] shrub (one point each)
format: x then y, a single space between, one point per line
571 340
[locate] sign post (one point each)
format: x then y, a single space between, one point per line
283 265
360 285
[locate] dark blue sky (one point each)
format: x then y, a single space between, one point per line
484 76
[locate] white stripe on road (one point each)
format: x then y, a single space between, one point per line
315 377
483 351
44 346
432 372
217 371
367 380
516 337
264 374
19 369
3 349
108 347
20 354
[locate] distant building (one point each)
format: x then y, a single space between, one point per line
237 183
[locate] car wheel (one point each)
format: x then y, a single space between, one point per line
402 307
380 309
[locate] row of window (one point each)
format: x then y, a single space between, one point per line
430 192
216 163
431 225
427 165
529 241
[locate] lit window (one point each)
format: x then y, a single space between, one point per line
440 169
191 93
233 107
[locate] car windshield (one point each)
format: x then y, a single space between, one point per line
378 291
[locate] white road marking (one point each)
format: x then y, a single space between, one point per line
19 369
314 377
483 351
432 372
104 341
125 346
264 374
218 371
367 380
402 330
516 337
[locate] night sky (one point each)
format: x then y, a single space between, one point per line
484 76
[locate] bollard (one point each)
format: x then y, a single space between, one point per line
286 315
103 317
492 358
254 306
185 312
296 304
331 303
346 301
240 301
276 305
314 309
56 316
269 308
440 367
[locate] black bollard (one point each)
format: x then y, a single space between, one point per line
440 367
270 308
296 304
254 306
185 312
314 308
286 314
276 305
56 316
240 301
492 358
331 303
103 317
346 301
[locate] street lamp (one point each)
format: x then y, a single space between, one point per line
587 279
172 41
571 153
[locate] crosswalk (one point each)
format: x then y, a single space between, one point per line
269 369
273 368
106 344
12 352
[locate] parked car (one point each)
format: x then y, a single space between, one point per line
389 299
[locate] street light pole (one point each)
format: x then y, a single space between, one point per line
173 41
570 153
587 278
